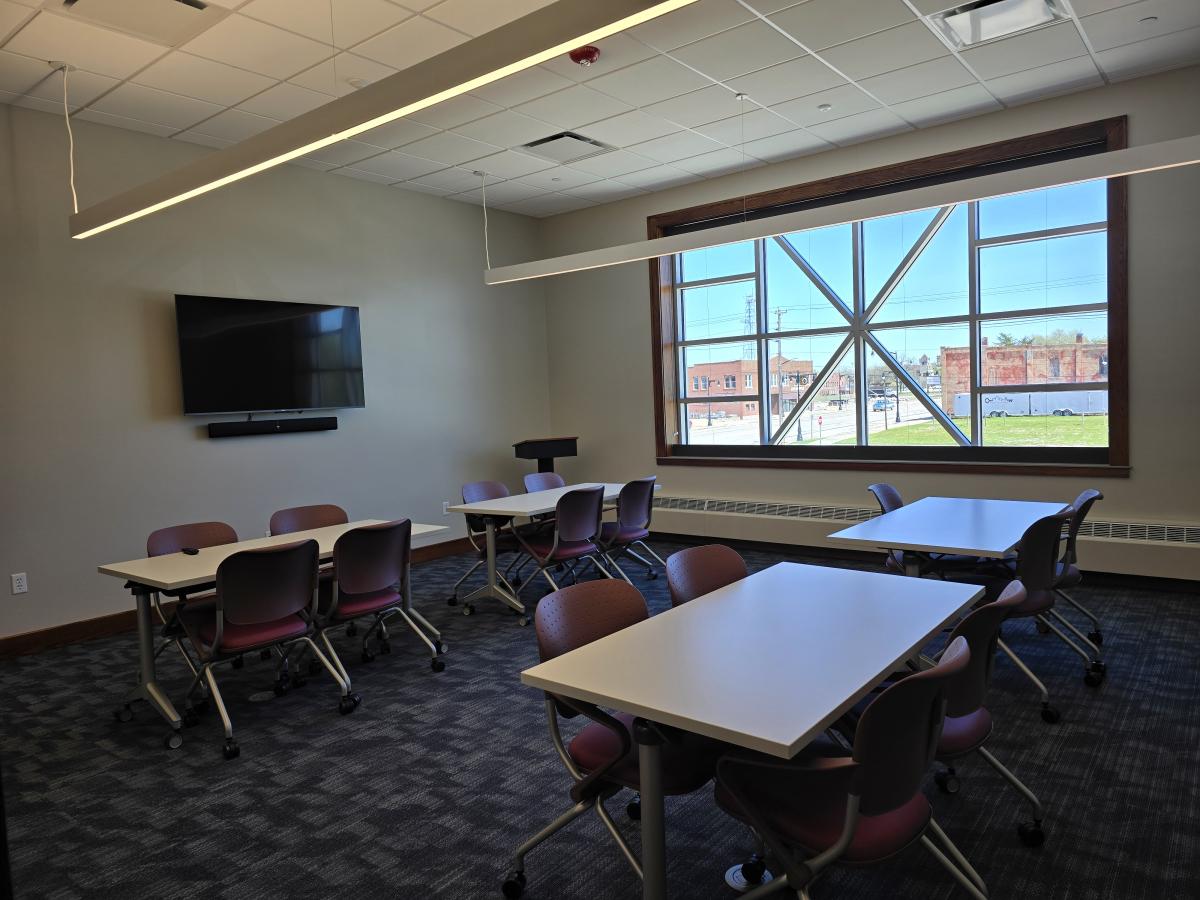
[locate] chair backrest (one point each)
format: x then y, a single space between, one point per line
1082 506
302 518
578 513
697 571
373 557
898 734
543 481
981 628
478 491
886 496
1041 550
195 534
585 612
635 503
258 586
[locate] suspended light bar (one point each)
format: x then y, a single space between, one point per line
1133 161
529 41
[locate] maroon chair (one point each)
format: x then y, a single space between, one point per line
1069 575
543 481
476 492
697 571
635 505
573 538
826 806
939 564
602 757
304 518
265 599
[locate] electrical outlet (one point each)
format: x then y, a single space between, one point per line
445 507
20 583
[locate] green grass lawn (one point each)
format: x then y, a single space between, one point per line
1013 431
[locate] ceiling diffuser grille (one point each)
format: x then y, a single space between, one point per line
566 147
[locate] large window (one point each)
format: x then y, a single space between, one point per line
973 333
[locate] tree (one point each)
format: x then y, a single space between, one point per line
1004 339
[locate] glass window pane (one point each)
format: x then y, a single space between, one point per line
794 303
938 284
1039 274
830 252
1046 419
727 422
885 243
794 364
708 368
719 310
1071 204
717 262
1045 350
895 416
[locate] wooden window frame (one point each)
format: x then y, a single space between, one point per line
1077 140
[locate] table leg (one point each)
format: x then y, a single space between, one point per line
493 590
912 566
653 819
148 688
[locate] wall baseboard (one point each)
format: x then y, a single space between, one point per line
31 642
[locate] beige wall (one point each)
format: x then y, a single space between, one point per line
600 354
94 450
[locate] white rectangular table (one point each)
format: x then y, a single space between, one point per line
178 571
535 503
766 663
987 528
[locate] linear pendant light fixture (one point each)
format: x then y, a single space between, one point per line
1132 161
526 42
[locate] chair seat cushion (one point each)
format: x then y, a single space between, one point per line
1036 603
1069 576
686 765
200 622
808 809
541 545
352 606
612 532
962 734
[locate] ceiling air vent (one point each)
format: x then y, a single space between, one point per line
166 22
567 147
988 20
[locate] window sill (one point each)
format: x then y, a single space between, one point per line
1077 470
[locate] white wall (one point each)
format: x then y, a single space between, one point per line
94 450
601 357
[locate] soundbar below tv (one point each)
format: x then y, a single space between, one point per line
248 356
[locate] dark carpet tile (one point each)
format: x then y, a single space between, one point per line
427 788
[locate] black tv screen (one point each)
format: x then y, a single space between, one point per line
264 356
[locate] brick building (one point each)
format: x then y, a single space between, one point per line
740 376
1075 363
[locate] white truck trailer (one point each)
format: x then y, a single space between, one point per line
1036 403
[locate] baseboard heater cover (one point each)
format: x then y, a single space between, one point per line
271 426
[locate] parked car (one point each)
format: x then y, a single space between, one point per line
882 404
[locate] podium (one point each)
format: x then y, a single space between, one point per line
546 450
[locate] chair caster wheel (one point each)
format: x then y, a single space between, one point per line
947 782
124 713
1092 679
634 810
232 750
1042 627
385 646
651 575
514 885
442 647
173 740
522 620
282 686
314 667
437 665
1096 638
1031 834
452 600
1050 714
349 704
239 662
367 655
468 609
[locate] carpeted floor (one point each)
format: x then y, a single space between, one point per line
426 789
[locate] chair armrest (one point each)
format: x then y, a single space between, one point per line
589 786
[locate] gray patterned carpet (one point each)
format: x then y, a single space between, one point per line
425 790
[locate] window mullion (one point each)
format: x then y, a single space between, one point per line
860 356
760 295
974 340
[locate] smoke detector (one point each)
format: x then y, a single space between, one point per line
585 56
567 147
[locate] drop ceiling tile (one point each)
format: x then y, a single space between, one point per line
1045 81
361 175
250 44
823 23
398 166
423 188
548 205
747 48
351 73
616 52
511 164
691 23
507 129
719 162
500 193
396 134
1154 55
1088 7
93 115
207 140
452 180
310 164
658 178
613 164
1127 24
573 107
133 101
450 149
675 147
786 146
235 125
630 128
864 126
343 153
284 101
757 123
49 36
605 191
885 51
921 80
353 20
927 7
523 87
786 81
22 75
846 100
559 178
227 4
477 17
697 108
11 15
455 111
410 42
956 103
194 76
650 81
26 102
1026 51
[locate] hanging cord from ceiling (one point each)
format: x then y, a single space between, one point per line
66 71
742 98
487 250
333 47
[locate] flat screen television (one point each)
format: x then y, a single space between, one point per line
265 356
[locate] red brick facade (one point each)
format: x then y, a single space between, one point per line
1077 363
740 376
